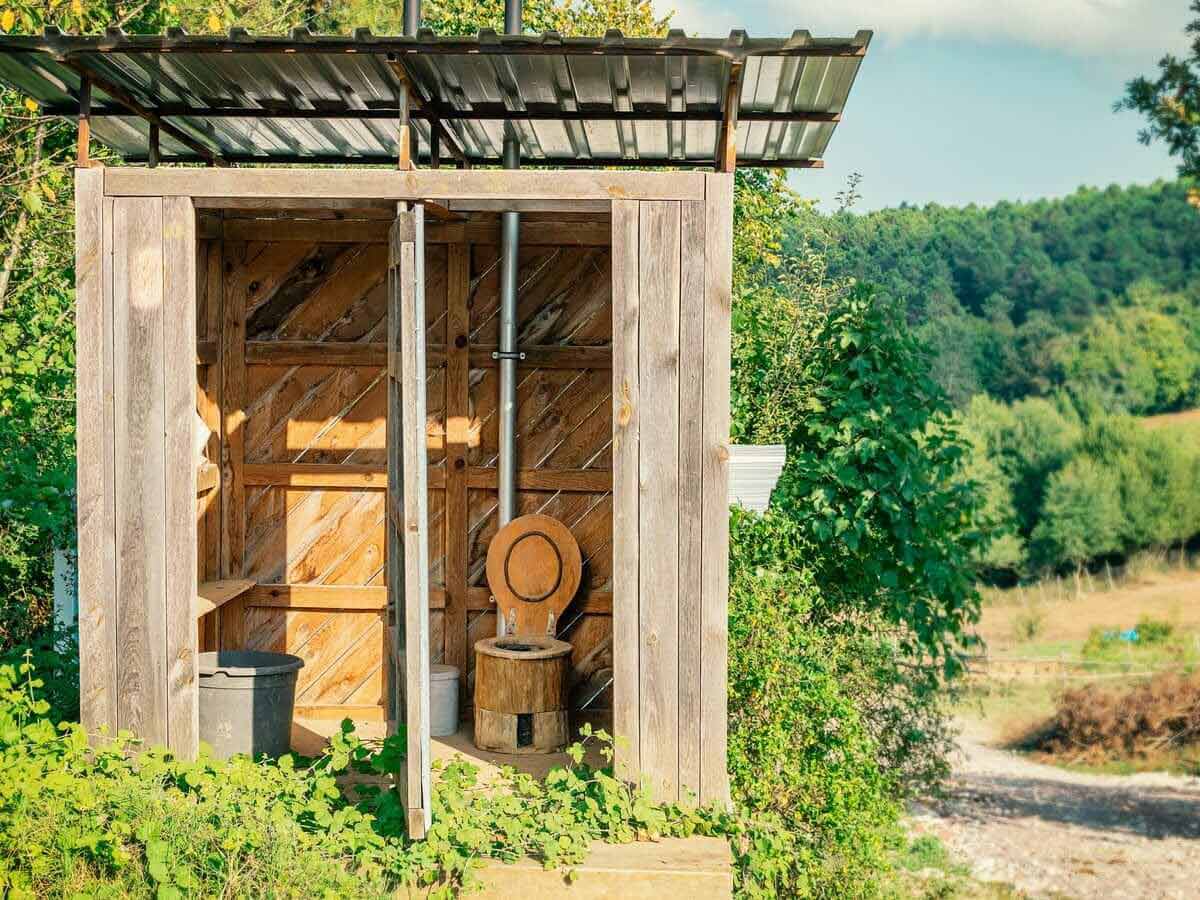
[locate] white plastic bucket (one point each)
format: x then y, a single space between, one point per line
443 700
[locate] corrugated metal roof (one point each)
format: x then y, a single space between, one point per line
573 101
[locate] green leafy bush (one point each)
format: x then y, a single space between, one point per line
123 820
800 756
1153 631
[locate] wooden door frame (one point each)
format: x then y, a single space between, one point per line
408 510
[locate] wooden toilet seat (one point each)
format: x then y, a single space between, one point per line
533 569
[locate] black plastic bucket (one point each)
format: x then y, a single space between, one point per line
247 699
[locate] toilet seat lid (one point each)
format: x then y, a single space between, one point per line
533 568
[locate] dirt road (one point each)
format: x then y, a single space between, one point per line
1054 833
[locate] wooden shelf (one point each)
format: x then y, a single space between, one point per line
207 477
212 595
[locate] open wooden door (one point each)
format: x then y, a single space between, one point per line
407 508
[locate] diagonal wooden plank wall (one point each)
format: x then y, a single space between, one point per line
303 399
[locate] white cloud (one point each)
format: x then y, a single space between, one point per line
1086 27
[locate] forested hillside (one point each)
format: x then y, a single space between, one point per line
1094 293
1053 325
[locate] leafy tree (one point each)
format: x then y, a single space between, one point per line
872 458
1170 104
1081 516
996 290
1006 550
1138 356
1029 441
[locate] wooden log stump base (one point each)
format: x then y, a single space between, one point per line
521 696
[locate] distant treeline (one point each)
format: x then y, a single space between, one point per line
1095 294
1064 487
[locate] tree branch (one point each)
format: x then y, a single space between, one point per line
17 237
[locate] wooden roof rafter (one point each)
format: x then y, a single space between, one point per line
430 110
92 79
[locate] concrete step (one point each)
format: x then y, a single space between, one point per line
696 868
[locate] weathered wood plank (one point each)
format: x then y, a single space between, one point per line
714 782
179 473
212 595
367 231
317 596
691 422
93 439
373 354
330 208
352 476
140 425
359 712
586 481
491 184
458 439
317 475
531 206
416 516
626 507
658 361
358 597
233 421
408 508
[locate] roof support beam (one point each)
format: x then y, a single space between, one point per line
542 163
727 143
155 153
84 132
478 114
429 111
125 99
404 140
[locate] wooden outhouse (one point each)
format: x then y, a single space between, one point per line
336 331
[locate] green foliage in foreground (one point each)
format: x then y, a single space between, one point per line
122 820
801 754
870 540
131 822
871 486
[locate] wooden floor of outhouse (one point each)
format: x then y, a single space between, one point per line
309 737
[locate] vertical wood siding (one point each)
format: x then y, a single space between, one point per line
671 321
93 450
137 393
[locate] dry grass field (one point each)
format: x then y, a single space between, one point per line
1188 416
1050 825
1063 617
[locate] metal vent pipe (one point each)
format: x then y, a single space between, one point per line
412 17
510 234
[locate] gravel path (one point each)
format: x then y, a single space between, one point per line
1054 833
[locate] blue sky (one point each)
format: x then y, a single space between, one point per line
974 101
